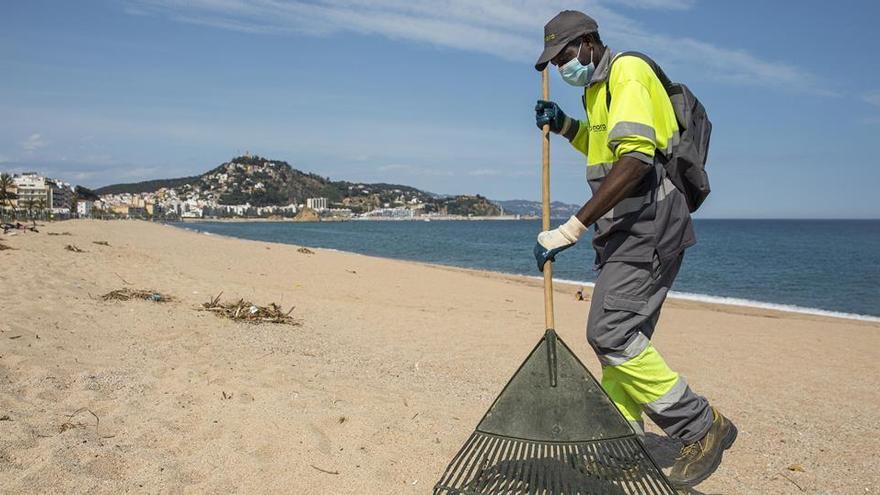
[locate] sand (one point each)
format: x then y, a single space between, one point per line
391 368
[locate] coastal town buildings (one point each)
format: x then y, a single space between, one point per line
316 204
30 189
245 187
32 192
84 208
397 213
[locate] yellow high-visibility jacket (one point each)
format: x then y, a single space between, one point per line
639 121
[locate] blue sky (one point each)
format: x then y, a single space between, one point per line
435 94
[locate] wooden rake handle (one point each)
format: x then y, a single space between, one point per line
545 217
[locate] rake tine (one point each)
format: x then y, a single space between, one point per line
451 471
467 467
623 473
485 465
514 467
509 466
481 460
490 467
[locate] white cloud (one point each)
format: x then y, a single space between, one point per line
406 169
34 142
658 4
507 173
872 97
510 29
484 172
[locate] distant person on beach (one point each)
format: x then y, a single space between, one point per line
579 295
642 227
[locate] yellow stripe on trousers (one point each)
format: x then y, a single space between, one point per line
643 381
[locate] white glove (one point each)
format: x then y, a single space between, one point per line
551 242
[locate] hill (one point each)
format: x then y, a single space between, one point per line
144 186
263 182
533 208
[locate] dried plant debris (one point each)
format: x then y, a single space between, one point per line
246 311
71 247
305 250
129 294
101 243
60 233
69 424
4 247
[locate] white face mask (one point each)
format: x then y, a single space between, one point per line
575 73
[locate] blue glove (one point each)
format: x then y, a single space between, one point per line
548 112
552 242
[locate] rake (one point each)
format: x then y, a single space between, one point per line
552 430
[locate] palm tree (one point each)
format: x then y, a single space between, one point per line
74 198
40 204
6 195
28 205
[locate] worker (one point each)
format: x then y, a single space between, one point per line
642 227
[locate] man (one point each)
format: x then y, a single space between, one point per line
642 227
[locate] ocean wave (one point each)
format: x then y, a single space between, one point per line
749 303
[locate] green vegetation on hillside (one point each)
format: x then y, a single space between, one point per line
145 186
262 182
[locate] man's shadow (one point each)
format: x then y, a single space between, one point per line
664 451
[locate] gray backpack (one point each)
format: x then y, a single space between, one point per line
686 164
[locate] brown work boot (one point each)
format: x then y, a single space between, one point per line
700 459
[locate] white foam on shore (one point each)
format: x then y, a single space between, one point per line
749 303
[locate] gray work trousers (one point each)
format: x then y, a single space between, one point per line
624 311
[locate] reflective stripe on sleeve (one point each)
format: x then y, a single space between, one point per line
642 157
670 398
627 129
598 171
636 346
631 205
671 143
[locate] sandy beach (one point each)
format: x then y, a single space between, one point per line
390 369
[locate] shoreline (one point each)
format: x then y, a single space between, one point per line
390 366
440 218
747 303
678 295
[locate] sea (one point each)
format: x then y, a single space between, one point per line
824 267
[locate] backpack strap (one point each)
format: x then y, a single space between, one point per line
658 71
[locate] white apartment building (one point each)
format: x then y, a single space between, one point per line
31 190
35 190
317 203
84 207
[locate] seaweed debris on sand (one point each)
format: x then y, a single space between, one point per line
246 311
129 294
